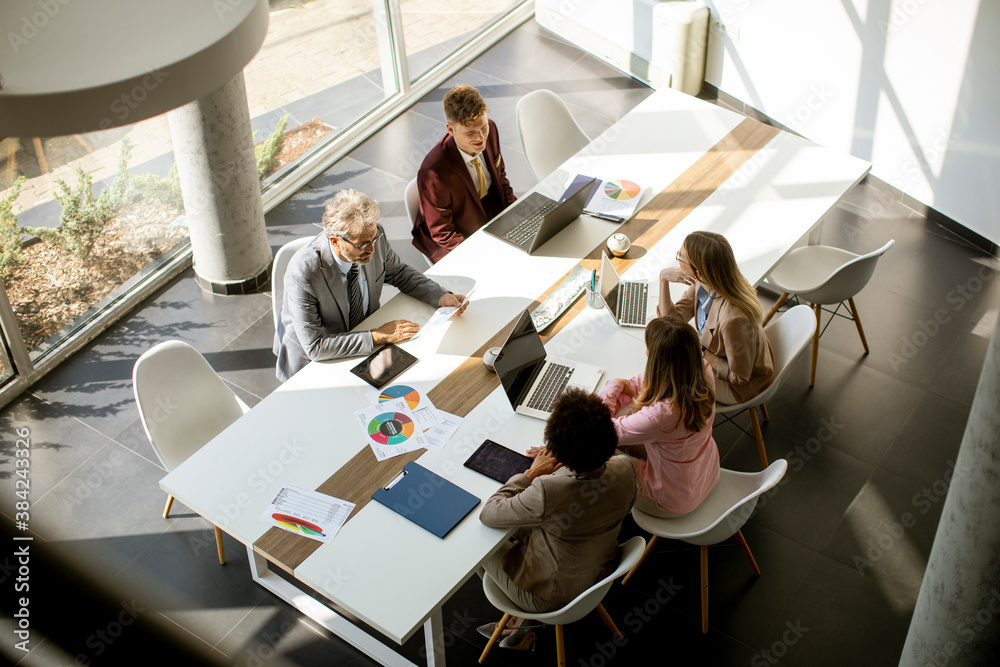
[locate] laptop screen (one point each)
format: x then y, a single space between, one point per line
609 285
519 358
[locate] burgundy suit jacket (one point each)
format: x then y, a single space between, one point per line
450 208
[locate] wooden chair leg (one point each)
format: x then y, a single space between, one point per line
218 545
166 510
606 617
560 647
759 436
774 309
648 550
763 411
704 589
746 552
857 323
812 373
495 637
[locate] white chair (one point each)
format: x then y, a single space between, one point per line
823 275
281 260
582 605
720 516
183 404
411 202
549 134
789 335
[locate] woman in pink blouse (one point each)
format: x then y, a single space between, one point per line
668 426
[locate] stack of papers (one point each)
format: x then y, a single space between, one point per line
402 419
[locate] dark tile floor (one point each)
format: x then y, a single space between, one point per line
870 442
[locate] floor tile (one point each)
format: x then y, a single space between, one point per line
928 442
248 361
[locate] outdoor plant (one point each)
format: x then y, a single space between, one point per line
166 189
10 234
267 151
84 216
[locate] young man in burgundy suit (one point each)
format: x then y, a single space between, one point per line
462 183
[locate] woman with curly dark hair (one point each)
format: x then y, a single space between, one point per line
668 427
568 507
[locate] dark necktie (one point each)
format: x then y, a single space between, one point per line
355 305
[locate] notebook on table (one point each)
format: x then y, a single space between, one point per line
531 379
535 219
626 301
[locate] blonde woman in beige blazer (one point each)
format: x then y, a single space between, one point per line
568 508
726 312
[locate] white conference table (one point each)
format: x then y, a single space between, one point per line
387 572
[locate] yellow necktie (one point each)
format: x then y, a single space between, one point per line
481 176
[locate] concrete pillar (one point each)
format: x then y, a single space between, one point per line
213 147
957 617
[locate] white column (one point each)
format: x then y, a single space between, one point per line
213 147
957 617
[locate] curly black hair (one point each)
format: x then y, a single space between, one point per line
579 431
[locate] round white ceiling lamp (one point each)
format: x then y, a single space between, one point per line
73 66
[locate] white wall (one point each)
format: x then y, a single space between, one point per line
911 85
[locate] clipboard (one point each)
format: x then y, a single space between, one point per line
426 499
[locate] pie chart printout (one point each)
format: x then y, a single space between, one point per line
622 190
391 428
411 395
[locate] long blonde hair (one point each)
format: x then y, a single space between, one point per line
675 372
711 256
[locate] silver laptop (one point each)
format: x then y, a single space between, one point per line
535 219
531 380
627 301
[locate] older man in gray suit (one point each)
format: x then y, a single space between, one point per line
335 281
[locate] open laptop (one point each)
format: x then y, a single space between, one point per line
627 301
535 219
531 380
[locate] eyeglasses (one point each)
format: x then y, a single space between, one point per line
366 246
681 260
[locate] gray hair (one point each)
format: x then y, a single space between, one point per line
350 213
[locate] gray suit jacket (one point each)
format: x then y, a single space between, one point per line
314 319
572 523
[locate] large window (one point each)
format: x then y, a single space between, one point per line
91 223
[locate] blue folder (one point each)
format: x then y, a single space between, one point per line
426 499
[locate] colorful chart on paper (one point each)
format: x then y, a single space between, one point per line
411 395
294 523
622 190
391 428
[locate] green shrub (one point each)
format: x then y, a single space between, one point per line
84 216
10 234
166 189
267 151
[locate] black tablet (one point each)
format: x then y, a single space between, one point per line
384 365
497 462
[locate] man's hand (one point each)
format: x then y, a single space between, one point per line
544 464
453 301
394 332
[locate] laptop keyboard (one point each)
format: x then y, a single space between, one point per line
554 380
632 303
527 229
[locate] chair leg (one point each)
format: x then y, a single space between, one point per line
812 373
496 636
646 552
560 647
759 436
166 510
606 617
763 411
704 589
746 552
857 323
218 545
774 309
